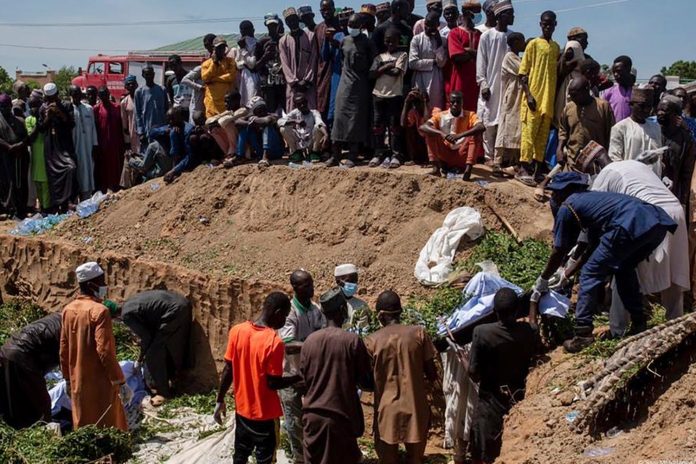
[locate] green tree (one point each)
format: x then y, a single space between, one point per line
64 78
5 81
681 68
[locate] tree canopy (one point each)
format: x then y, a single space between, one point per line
5 81
64 78
681 68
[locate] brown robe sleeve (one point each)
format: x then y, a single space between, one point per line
106 347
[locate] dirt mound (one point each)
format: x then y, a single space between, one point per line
250 223
652 420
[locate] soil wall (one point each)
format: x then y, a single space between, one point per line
43 272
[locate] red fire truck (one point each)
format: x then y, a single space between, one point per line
111 70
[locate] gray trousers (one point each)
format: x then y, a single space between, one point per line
292 409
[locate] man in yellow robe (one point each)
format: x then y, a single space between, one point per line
219 73
538 74
94 378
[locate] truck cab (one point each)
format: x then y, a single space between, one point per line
110 71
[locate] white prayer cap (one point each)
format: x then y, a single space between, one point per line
88 271
50 89
345 269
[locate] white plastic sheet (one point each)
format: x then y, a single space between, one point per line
482 288
435 261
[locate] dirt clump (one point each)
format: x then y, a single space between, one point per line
252 223
652 419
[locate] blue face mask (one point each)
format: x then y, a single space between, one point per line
350 289
354 32
478 18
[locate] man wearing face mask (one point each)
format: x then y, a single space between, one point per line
430 5
304 319
359 314
402 359
88 361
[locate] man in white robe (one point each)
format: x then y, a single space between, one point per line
489 62
85 140
667 270
246 62
426 58
636 134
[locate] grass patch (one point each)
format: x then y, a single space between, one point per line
200 404
519 264
601 349
428 310
16 314
127 346
37 445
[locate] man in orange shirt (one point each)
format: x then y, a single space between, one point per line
254 361
454 137
94 379
219 72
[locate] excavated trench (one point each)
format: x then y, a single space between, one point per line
42 271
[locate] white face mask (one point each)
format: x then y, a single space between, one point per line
354 32
101 293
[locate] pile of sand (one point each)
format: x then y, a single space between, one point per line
264 224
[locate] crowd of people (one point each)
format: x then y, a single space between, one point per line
299 359
382 85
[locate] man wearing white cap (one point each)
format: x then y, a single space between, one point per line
359 314
94 378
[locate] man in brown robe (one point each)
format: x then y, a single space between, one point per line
402 357
94 379
298 57
583 120
333 365
325 66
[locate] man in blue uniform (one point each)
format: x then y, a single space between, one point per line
621 230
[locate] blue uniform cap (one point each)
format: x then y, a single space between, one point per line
566 179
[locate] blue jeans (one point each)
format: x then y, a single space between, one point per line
267 139
617 254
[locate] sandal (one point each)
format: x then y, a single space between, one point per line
497 171
539 194
264 163
296 157
385 163
315 157
348 163
374 162
526 180
331 162
394 163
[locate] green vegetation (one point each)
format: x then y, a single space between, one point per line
601 349
127 346
683 69
426 310
5 81
519 264
201 404
63 79
37 445
14 315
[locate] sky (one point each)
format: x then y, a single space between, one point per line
637 28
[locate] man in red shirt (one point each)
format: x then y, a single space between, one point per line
254 361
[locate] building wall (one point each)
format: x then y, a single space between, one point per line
40 78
